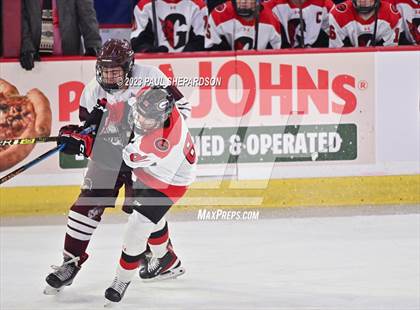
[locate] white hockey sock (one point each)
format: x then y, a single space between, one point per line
137 232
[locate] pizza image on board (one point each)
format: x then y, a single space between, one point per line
27 116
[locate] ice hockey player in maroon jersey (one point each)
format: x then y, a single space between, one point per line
242 25
105 105
410 19
305 21
163 160
169 26
361 23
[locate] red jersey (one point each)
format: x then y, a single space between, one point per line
239 33
348 28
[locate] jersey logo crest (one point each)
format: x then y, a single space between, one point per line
220 8
244 43
394 9
342 7
365 39
136 157
161 144
168 28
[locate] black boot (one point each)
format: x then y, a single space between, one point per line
64 274
166 267
116 291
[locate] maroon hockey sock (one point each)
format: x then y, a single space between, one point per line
81 224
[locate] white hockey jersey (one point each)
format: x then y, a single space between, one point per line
166 156
175 20
410 13
238 32
347 28
142 75
314 16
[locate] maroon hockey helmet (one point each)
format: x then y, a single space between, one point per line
114 54
366 6
246 8
151 109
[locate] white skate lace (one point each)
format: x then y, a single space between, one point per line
153 264
119 286
65 271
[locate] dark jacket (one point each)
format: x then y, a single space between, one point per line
76 18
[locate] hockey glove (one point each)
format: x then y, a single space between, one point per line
75 142
27 60
99 111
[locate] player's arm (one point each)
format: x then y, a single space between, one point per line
198 27
324 33
336 34
142 35
135 158
275 40
214 39
392 35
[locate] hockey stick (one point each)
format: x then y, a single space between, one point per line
257 25
375 28
39 159
155 43
25 141
31 163
301 22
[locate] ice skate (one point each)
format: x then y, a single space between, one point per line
157 269
63 275
115 292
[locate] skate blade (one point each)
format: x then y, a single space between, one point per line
110 304
49 290
170 274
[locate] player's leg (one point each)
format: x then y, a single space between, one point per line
149 206
83 219
163 263
137 232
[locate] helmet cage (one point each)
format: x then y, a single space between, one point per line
366 9
151 109
245 12
113 54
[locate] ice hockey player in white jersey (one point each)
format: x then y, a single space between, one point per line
361 23
410 17
305 21
169 26
105 105
163 160
242 25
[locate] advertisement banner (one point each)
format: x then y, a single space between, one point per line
293 109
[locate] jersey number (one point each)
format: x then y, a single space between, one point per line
397 35
333 36
189 150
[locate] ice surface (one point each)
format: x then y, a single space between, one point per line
356 262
